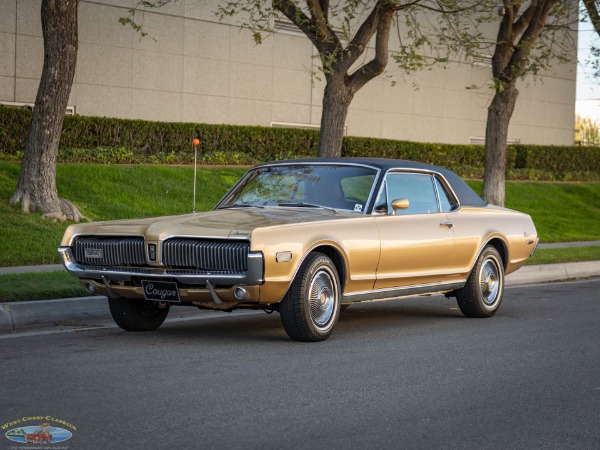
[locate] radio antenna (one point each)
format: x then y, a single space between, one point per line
195 144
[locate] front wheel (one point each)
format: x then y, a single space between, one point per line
311 307
482 295
136 314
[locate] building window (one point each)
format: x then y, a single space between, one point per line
302 126
481 141
482 59
69 111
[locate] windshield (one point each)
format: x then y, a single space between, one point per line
327 186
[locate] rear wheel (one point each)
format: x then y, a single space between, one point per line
311 307
136 314
482 294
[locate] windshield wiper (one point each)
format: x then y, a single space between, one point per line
241 205
306 205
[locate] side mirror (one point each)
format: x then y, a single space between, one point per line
400 204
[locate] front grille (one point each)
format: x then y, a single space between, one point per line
183 256
200 272
110 251
226 256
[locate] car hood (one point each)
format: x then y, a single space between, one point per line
235 223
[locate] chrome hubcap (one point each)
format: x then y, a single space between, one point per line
489 281
322 298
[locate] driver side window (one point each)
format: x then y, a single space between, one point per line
417 188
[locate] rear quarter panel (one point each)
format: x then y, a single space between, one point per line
475 227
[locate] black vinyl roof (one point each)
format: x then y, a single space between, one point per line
466 195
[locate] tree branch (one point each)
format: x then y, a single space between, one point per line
377 65
320 22
528 38
524 21
324 4
592 10
324 42
363 36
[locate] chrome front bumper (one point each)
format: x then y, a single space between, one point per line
252 277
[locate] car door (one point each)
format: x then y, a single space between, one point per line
417 243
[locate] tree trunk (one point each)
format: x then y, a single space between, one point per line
336 101
36 189
499 114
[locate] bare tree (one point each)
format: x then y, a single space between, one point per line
342 32
338 59
342 39
532 35
36 189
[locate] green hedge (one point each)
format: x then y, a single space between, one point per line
150 141
108 140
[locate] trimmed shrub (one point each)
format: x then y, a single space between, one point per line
558 159
113 141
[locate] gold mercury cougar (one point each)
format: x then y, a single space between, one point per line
307 238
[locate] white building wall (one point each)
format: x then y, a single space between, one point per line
194 68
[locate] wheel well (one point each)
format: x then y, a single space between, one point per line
499 245
337 258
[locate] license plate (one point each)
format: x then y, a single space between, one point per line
162 291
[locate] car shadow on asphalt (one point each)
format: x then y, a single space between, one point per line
358 318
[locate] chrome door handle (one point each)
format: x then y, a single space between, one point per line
446 224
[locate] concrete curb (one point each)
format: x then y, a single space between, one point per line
82 310
554 272
77 311
65 311
32 269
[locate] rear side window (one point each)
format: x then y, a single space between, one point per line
445 202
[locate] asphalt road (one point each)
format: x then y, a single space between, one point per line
404 374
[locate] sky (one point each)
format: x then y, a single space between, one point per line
588 89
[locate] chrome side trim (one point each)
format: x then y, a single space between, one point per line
419 289
486 243
252 277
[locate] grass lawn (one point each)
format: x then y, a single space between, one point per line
103 192
561 211
563 255
39 286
